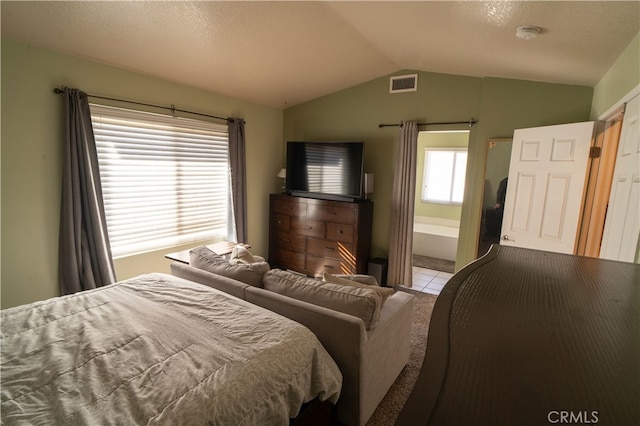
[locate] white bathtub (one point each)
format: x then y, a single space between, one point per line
435 237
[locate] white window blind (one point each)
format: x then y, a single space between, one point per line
444 175
165 180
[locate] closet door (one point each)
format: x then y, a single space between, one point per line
622 225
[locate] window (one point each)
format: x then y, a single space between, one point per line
165 180
444 172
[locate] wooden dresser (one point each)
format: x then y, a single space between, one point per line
313 236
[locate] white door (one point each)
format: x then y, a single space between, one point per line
546 185
622 226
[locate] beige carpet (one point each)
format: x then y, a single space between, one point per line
392 403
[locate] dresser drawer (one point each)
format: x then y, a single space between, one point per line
287 259
310 228
340 232
289 241
332 214
290 207
280 223
330 249
318 265
312 235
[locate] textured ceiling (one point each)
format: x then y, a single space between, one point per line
284 53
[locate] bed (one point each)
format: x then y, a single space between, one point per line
157 349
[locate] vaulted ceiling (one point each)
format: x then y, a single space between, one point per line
285 53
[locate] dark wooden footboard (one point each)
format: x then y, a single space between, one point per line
529 337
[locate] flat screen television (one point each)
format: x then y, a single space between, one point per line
327 170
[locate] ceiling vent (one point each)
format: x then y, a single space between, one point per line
403 83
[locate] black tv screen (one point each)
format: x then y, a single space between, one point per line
331 170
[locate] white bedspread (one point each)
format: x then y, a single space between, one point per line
158 350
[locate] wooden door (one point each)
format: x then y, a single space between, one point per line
546 185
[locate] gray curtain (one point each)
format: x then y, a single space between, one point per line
238 167
402 207
85 260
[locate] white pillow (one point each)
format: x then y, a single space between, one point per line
361 278
240 254
203 258
361 281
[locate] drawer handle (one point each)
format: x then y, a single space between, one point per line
307 227
279 222
339 231
328 266
286 240
329 248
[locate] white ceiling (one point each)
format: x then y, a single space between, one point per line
284 53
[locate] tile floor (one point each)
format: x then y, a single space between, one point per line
429 280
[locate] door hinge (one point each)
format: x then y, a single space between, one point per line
595 152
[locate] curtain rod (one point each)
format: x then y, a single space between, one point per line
172 108
470 123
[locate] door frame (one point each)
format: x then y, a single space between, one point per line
598 190
600 177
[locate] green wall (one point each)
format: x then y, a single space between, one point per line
354 114
500 105
32 147
436 140
621 78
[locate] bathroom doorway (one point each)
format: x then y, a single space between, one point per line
440 175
